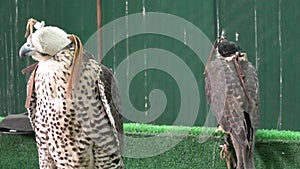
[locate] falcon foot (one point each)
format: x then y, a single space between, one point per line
219 130
226 154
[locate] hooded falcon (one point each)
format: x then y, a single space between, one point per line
73 103
232 91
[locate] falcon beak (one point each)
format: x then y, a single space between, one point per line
26 50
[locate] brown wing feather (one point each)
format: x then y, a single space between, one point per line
227 98
234 112
112 95
252 85
114 100
215 91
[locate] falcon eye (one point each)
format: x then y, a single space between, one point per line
43 54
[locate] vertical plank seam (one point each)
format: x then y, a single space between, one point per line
257 59
6 68
145 63
279 122
11 91
127 41
217 17
18 90
114 38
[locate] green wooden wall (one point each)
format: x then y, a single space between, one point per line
72 17
267 29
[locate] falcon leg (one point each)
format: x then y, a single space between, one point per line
45 159
227 155
238 152
224 154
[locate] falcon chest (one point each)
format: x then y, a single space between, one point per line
56 124
54 113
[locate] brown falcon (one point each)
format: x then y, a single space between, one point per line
232 91
73 103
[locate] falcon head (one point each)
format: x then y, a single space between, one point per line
44 43
227 49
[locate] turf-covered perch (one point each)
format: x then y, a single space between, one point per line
274 149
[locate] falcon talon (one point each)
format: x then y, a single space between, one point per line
224 151
226 155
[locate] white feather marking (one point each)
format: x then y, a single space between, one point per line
228 59
105 104
236 36
223 33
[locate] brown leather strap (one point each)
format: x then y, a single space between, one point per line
30 86
240 75
77 58
29 68
29 27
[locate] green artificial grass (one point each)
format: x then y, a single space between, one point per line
198 147
263 135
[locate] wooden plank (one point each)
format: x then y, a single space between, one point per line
199 13
290 38
269 63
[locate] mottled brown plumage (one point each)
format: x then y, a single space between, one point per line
74 104
235 112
